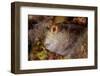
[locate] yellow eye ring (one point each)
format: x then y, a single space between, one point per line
54 29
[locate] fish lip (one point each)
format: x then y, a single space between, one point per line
63 52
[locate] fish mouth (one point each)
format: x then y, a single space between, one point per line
56 49
60 49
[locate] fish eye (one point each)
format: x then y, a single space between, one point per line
54 29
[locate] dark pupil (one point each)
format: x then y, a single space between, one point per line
54 29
